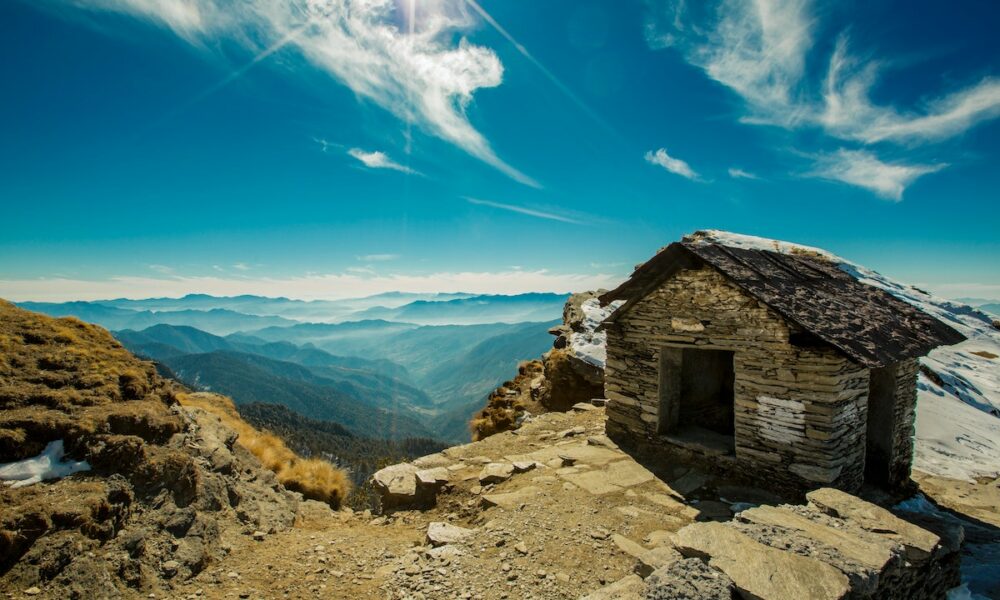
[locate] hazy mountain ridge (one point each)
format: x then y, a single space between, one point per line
438 374
220 321
418 308
251 378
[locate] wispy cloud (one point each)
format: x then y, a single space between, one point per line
541 214
377 257
849 113
308 287
379 160
241 266
413 63
737 173
674 165
760 50
864 169
162 269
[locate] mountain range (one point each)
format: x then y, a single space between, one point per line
394 376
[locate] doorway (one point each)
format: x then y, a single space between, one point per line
881 425
696 390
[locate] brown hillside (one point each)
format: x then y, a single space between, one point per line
168 483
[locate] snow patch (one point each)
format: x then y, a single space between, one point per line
588 344
980 557
47 465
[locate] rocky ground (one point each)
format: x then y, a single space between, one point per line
552 510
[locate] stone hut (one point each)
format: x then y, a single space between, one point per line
778 366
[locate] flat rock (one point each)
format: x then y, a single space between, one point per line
660 537
523 466
495 473
647 560
919 542
432 461
595 482
435 476
627 588
578 430
759 571
439 534
511 500
865 552
627 473
601 440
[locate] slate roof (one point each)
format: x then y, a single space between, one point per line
867 324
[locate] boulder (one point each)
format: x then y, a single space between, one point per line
919 542
495 473
399 487
439 534
688 579
759 571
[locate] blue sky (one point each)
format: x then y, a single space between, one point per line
329 149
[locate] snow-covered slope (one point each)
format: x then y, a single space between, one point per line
958 404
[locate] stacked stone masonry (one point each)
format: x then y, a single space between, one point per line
799 409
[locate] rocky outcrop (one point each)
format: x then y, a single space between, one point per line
166 487
570 373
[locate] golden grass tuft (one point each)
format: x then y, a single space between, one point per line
984 354
314 478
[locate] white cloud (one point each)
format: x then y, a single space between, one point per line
377 257
379 160
307 287
402 56
674 165
865 170
541 214
849 113
755 48
760 50
241 266
737 173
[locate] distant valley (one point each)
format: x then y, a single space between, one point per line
392 366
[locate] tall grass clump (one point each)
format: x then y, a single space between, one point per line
314 478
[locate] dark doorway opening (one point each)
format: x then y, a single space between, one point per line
696 390
881 425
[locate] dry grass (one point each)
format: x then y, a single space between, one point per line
314 478
508 402
65 363
984 354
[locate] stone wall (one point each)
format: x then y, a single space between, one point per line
800 412
904 415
